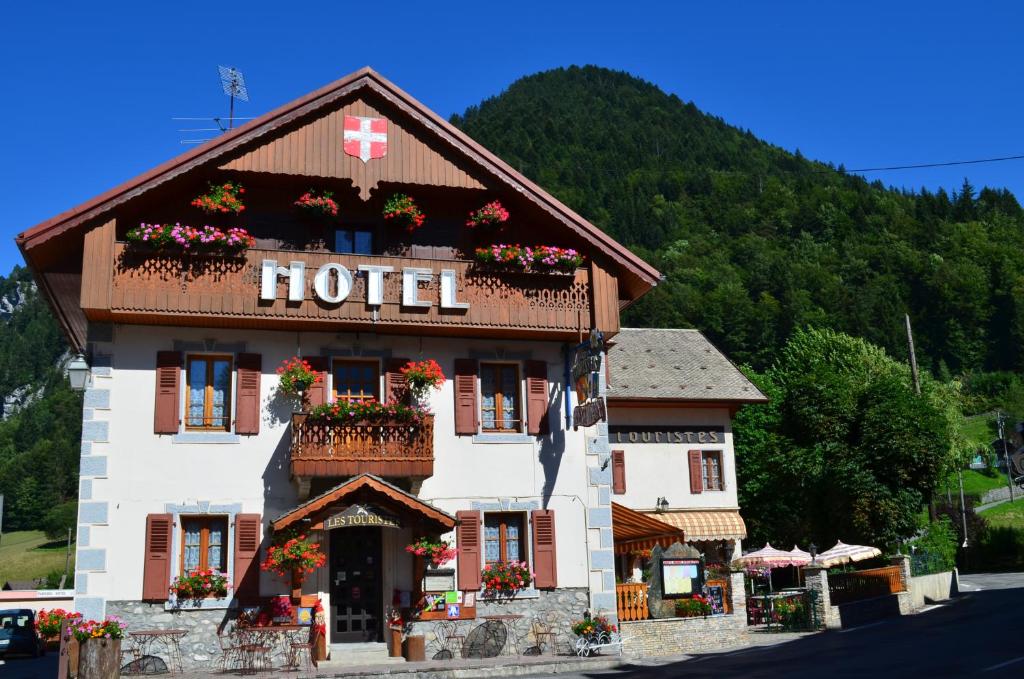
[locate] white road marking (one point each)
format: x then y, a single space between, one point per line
1003 664
860 627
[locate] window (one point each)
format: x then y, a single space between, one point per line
209 393
504 538
711 466
204 543
499 391
353 241
356 380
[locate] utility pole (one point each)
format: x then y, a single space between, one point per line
67 562
1006 455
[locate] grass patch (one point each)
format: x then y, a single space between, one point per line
977 483
25 555
1006 515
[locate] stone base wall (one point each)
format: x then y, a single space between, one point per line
557 608
934 587
199 647
673 636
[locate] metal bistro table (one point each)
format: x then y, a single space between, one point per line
508 621
146 642
769 605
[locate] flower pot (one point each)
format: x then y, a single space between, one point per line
99 659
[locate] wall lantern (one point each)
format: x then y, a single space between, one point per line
78 373
814 552
661 506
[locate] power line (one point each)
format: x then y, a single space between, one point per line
945 164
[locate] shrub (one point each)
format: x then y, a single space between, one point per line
935 551
58 519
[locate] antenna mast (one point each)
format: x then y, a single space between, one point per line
233 82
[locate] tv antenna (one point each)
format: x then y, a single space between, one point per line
233 82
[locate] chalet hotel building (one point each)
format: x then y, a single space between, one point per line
193 457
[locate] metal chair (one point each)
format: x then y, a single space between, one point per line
230 650
305 652
449 637
543 633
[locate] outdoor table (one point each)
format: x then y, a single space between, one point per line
273 637
147 639
769 603
509 622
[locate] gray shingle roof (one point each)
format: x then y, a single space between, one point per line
672 363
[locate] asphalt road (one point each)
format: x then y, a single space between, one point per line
981 633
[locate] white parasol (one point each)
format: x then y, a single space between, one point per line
771 557
844 553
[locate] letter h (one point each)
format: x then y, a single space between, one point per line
296 273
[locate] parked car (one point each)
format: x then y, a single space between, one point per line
18 633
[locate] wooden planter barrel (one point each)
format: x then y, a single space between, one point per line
99 659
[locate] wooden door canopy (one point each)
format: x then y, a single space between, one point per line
372 488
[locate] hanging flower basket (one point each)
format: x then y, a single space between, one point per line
491 214
221 198
290 555
318 204
402 211
421 377
438 552
506 578
529 259
296 376
188 239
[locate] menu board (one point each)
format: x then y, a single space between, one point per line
681 577
716 596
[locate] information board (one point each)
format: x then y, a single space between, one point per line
681 577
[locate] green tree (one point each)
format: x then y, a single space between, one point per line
59 519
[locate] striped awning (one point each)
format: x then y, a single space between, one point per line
634 531
706 524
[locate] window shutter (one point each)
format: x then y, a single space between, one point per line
318 394
618 472
156 568
545 565
167 415
696 475
247 551
467 539
467 411
247 410
394 380
537 397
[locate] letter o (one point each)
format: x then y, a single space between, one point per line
322 283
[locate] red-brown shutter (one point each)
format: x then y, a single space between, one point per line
696 475
467 539
247 408
318 394
156 569
247 551
467 412
536 397
545 565
618 472
394 380
167 415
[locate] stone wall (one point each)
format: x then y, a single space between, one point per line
558 608
934 587
672 636
199 647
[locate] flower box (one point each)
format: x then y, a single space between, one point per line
183 239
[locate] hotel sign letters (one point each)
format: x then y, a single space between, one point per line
627 433
359 516
332 283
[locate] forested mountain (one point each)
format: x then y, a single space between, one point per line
756 241
41 424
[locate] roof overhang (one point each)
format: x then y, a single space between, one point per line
366 488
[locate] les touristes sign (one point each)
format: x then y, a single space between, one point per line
362 516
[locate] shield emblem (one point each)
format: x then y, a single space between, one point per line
365 138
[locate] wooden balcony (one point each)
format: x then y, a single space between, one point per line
387 449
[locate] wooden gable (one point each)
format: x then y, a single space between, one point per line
313 147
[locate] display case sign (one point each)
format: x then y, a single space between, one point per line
585 372
682 577
361 516
439 580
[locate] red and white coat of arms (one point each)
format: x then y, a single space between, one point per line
365 138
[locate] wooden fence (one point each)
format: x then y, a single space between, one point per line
631 601
846 587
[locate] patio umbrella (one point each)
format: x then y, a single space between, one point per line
800 557
770 557
844 553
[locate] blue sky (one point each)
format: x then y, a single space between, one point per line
90 88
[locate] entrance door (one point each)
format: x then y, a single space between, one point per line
356 584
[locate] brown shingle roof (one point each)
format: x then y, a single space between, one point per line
676 364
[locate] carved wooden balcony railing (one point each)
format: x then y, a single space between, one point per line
631 601
385 449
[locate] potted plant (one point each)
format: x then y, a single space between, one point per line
322 204
506 578
295 555
402 211
438 552
48 624
694 607
187 239
198 585
281 609
99 654
421 377
596 629
491 214
369 411
221 198
296 376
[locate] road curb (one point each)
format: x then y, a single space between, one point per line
511 670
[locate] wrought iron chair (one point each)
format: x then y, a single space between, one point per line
302 655
544 635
